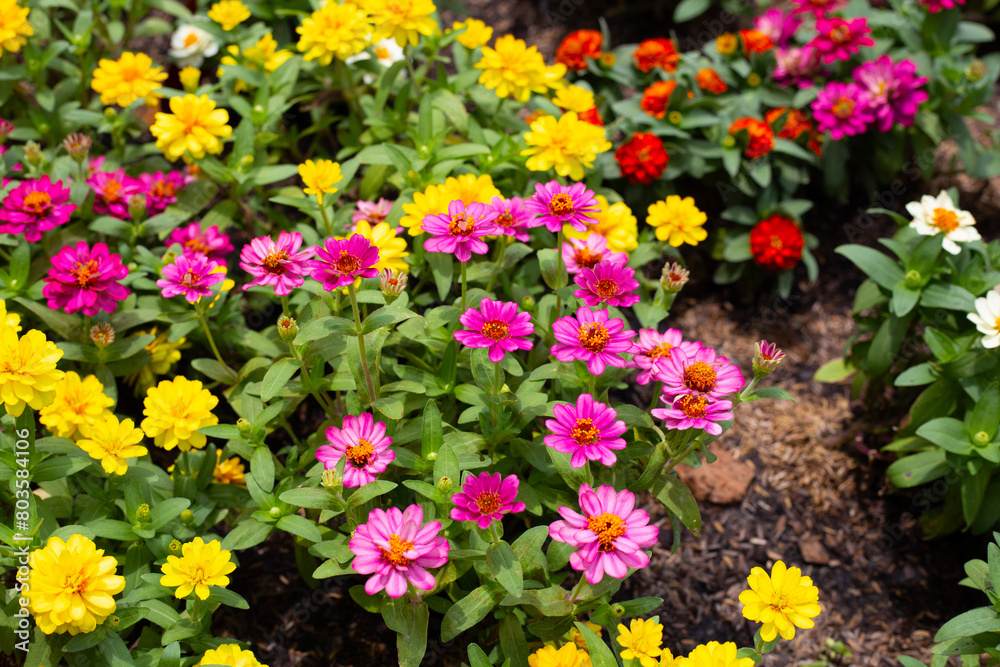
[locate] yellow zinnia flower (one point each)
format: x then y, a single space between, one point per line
391 248
14 26
175 410
782 602
162 356
190 78
714 654
320 177
513 69
469 188
77 403
12 320
568 145
677 221
614 222
429 202
264 56
339 30
641 641
229 471
194 128
403 20
28 374
574 98
567 656
201 565
71 584
229 13
231 655
132 77
112 442
476 33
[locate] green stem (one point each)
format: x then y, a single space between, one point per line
496 271
284 305
593 385
683 455
464 286
215 348
559 273
749 388
576 590
326 220
656 394
322 399
361 342
498 388
494 537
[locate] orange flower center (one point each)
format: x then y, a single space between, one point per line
606 288
347 263
840 34
381 53
594 336
585 433
700 377
197 245
586 259
505 220
462 224
273 261
692 406
37 202
76 582
608 528
944 219
495 329
661 350
190 278
190 39
777 243
163 189
397 547
362 454
561 204
84 273
488 502
111 192
843 108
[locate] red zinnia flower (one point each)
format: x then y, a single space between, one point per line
794 125
760 136
776 243
656 98
754 41
577 46
656 52
642 158
708 79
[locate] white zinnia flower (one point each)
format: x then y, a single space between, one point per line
387 52
190 45
932 215
987 318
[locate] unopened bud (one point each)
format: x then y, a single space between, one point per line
674 277
77 145
175 546
729 141
608 59
912 279
331 481
102 334
528 303
981 439
114 622
244 427
137 207
675 117
617 610
288 329
142 513
187 516
6 127
275 512
392 284
976 70
753 80
766 357
445 485
190 78
432 456
110 114
245 163
33 154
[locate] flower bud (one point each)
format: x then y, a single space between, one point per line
528 303
608 59
77 145
392 284
753 80
190 78
275 512
114 622
33 154
675 117
245 163
976 70
766 357
332 481
102 334
729 141
617 610
175 546
445 485
674 277
6 127
142 513
981 439
912 279
137 207
244 427
187 516
432 456
110 114
288 329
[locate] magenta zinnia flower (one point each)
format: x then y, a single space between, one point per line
778 26
190 275
557 205
513 219
34 207
796 66
486 498
609 283
702 373
892 89
610 533
837 39
363 441
112 192
372 212
85 279
579 254
593 337
497 325
279 263
460 230
211 243
652 350
842 109
340 262
395 548
161 189
691 411
819 8
589 431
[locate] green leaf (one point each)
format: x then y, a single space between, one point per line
446 464
409 622
886 343
301 526
115 652
368 491
431 430
247 534
600 654
386 316
986 415
478 657
165 511
876 265
917 376
947 433
332 568
226 597
323 327
262 468
690 9
548 260
835 370
505 567
942 347
469 610
311 498
973 622
277 377
512 641
973 490
182 629
769 392
676 497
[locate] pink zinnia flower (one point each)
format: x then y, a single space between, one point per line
190 275
85 279
589 431
112 191
486 498
497 325
692 411
557 205
363 441
34 207
653 350
340 262
778 26
279 263
819 8
373 212
837 39
609 283
893 90
796 66
513 219
610 533
460 230
161 189
395 548
579 254
211 243
842 109
702 373
592 337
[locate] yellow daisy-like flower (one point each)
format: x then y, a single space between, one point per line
614 222
476 33
132 77
112 442
574 98
195 127
70 586
677 221
175 410
77 403
782 602
11 320
641 641
200 565
403 20
264 56
229 471
714 654
319 177
667 659
191 77
429 202
567 656
568 145
513 69
391 248
340 30
14 26
28 374
162 356
229 13
231 655
469 188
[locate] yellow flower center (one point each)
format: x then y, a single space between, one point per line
197 245
347 263
585 433
84 273
608 527
381 53
945 219
190 39
843 108
462 224
700 377
273 261
189 278
586 259
76 582
661 350
488 502
495 329
693 406
505 220
561 204
397 548
362 454
776 243
606 288
594 336
37 202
